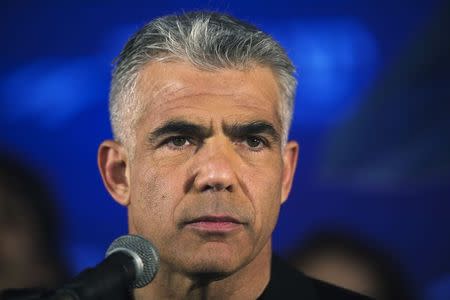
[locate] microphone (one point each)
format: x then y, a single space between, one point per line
131 262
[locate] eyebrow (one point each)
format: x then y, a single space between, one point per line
238 130
180 127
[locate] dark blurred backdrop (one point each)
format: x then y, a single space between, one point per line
372 116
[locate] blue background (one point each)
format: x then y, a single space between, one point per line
372 116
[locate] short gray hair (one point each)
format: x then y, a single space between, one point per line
207 40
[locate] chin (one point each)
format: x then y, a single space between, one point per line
214 264
208 270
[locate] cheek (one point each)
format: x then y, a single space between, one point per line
264 188
151 205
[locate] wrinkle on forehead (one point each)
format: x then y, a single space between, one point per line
158 85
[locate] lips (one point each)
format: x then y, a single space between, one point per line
214 224
214 219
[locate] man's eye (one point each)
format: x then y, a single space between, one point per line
255 143
178 142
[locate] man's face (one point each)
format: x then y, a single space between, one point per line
208 174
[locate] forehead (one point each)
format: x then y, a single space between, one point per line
178 89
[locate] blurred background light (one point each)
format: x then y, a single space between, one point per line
52 91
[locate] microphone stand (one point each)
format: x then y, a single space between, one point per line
109 280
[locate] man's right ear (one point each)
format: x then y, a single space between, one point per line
113 164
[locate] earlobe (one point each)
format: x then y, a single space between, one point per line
113 165
290 157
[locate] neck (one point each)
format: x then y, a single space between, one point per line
246 283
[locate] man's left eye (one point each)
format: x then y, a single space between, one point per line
255 143
179 141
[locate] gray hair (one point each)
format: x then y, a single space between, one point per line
207 40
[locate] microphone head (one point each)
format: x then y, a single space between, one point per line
144 254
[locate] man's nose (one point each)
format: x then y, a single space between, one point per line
215 168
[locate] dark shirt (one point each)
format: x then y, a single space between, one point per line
288 283
285 283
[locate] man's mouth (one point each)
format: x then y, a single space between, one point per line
214 224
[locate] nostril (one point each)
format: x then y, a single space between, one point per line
217 187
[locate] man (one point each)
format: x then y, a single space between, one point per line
201 105
352 263
30 255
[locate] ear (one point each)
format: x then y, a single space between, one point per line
290 156
114 168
